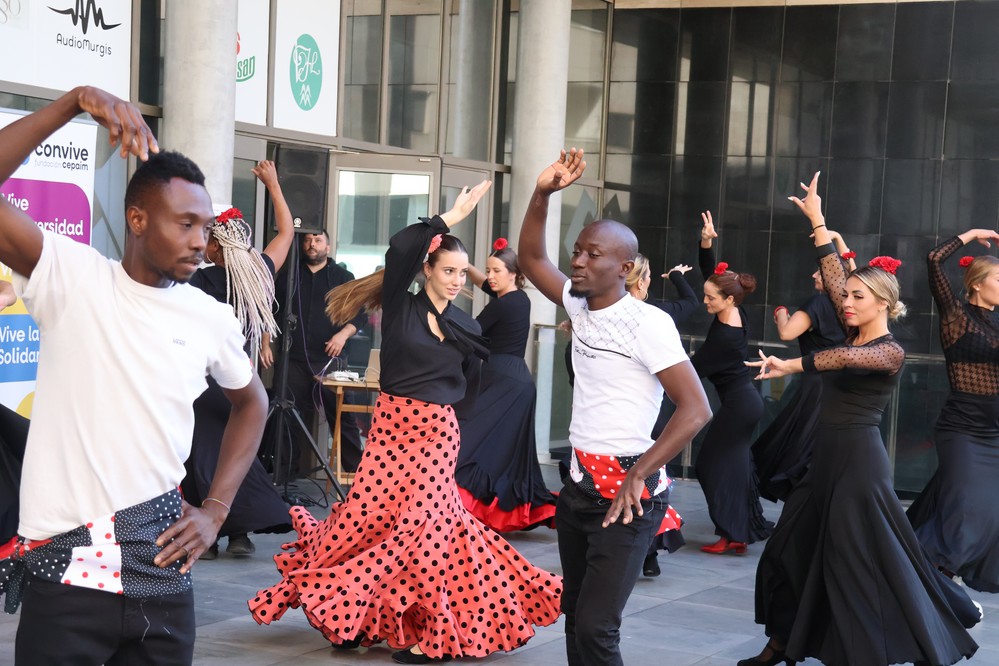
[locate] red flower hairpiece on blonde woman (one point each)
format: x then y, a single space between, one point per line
229 214
721 267
500 244
965 262
849 255
435 243
886 263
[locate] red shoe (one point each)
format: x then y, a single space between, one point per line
723 545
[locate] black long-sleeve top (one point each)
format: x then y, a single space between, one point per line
313 328
506 321
684 306
415 362
969 334
721 359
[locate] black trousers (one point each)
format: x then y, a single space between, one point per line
310 396
599 569
77 626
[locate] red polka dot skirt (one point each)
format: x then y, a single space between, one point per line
402 561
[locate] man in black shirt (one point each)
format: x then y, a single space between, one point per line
316 341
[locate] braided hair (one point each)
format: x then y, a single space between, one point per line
249 285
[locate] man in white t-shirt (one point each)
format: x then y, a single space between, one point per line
624 353
105 542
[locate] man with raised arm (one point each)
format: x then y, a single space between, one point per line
105 543
625 353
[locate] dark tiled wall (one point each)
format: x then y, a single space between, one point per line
728 109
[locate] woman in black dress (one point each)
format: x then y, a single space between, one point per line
782 452
245 278
956 517
402 560
724 465
498 474
843 578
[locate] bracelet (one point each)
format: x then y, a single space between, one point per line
778 309
228 509
817 226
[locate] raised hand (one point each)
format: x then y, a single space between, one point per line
811 205
708 232
562 173
465 203
682 268
123 120
982 236
266 172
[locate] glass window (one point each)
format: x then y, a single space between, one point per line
413 75
150 53
585 93
362 69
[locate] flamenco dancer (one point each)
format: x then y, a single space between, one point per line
843 578
724 465
669 538
956 517
782 452
498 474
244 278
401 560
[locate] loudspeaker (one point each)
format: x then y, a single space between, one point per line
303 173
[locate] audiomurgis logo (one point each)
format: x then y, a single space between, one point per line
84 15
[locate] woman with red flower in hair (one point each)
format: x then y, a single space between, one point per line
724 464
498 474
956 517
843 578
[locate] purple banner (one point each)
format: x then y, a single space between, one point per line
62 208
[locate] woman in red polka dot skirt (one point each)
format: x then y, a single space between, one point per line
401 560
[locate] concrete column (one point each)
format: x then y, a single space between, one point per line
542 78
473 77
199 91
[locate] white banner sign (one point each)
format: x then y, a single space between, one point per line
306 55
54 186
61 44
251 61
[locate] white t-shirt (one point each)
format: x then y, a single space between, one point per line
616 353
120 365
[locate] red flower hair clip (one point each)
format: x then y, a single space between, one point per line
886 263
229 214
965 262
500 244
849 255
435 243
721 267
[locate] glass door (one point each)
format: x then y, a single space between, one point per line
474 230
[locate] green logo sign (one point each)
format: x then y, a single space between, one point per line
246 68
306 72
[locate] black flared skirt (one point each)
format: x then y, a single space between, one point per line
13 437
956 517
783 451
725 466
257 506
844 579
497 470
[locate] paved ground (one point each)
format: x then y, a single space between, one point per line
700 611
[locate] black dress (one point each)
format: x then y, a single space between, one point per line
257 506
783 450
724 465
13 438
956 517
497 472
843 578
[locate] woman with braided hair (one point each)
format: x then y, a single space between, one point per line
244 278
402 560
